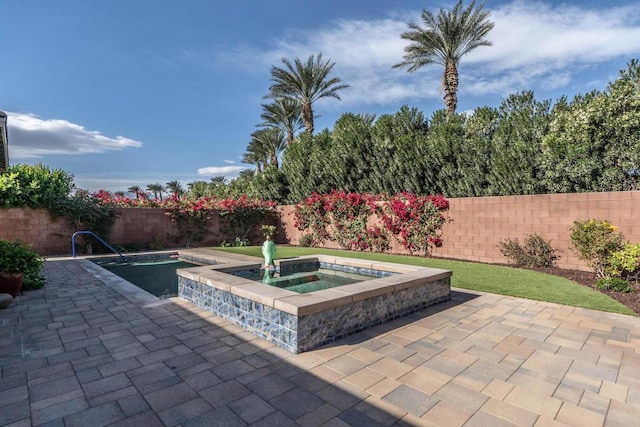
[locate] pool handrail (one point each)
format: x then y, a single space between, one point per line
73 244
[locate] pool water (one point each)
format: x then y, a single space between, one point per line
307 280
156 276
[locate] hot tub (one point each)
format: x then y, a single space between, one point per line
301 321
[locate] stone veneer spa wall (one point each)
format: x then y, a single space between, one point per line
300 322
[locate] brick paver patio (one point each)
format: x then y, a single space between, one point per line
91 350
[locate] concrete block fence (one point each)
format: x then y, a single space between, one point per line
477 225
475 229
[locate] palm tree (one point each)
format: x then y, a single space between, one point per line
444 40
283 113
305 83
175 188
156 189
271 142
218 180
255 155
135 189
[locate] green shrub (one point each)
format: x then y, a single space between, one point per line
306 241
237 243
625 262
129 247
535 252
615 284
34 186
268 231
17 257
156 244
241 242
594 241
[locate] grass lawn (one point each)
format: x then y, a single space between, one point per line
479 277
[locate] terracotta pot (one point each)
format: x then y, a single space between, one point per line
11 283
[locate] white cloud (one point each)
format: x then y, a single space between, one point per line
227 171
536 45
230 162
32 137
105 181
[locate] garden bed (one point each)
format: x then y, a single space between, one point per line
589 279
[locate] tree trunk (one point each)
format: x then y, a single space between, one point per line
450 83
307 117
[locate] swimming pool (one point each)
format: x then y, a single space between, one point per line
155 274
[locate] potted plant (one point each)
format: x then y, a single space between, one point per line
19 265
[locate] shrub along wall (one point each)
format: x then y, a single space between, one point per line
477 226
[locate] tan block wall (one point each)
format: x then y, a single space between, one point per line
138 226
36 226
478 224
476 228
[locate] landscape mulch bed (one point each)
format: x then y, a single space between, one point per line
587 278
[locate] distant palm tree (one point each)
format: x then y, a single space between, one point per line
283 113
271 143
255 156
135 189
157 189
305 83
119 193
175 188
444 40
198 189
219 180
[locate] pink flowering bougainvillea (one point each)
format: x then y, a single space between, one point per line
243 214
414 221
341 217
192 215
311 216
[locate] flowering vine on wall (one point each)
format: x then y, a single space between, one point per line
192 215
366 221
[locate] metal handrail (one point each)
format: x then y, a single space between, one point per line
73 244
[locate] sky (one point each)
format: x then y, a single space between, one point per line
133 92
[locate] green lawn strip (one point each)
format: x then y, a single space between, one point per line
493 279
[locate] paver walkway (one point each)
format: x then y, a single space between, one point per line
90 350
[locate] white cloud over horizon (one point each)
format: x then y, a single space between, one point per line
535 44
226 171
93 182
33 137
